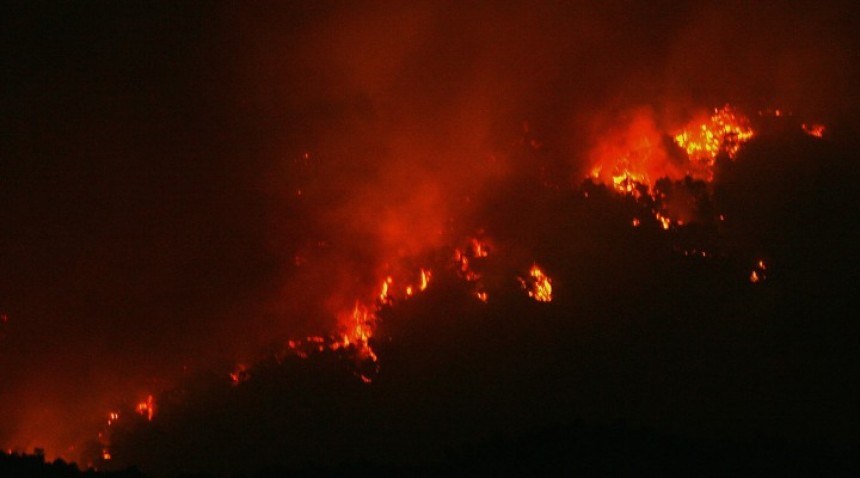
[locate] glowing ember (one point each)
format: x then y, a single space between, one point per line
479 249
425 280
816 130
538 285
106 456
384 296
112 417
239 375
725 130
482 296
758 273
664 221
635 222
146 408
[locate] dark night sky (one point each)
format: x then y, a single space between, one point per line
149 226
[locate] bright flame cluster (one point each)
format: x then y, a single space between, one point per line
146 408
538 285
725 130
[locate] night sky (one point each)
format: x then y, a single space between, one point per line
187 186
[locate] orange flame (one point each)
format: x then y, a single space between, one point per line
239 375
360 324
425 280
759 272
725 130
816 130
146 408
539 285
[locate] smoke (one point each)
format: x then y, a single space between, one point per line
186 187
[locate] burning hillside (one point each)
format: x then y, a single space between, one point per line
242 235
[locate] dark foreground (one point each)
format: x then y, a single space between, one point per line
575 450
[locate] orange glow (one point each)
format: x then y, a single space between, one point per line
239 374
631 153
479 249
482 296
759 272
538 286
816 130
106 456
725 130
635 222
425 280
384 296
112 417
632 156
664 221
359 325
146 408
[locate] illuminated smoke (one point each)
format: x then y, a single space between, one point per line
248 193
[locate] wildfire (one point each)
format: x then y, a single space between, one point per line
388 291
146 408
425 280
664 221
479 249
758 273
725 130
360 324
384 296
538 285
112 417
634 153
239 375
816 130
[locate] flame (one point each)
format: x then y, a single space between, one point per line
725 130
479 249
633 153
146 408
384 296
538 285
239 375
482 296
759 272
664 221
425 280
631 157
815 130
360 324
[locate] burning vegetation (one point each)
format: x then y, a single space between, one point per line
346 230
645 177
